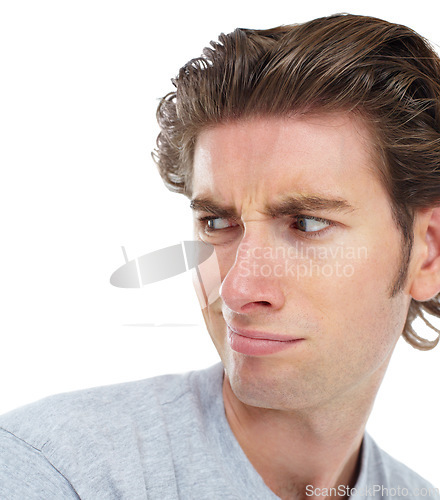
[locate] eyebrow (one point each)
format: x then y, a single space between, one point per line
210 206
291 205
288 206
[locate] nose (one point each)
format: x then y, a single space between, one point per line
254 282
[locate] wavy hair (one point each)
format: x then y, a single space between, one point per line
386 72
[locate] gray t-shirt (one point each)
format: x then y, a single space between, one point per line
163 438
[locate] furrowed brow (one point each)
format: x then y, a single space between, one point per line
207 205
293 205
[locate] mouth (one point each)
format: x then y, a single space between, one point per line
256 343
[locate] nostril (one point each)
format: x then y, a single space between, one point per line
263 302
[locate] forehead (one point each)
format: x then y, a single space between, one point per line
264 156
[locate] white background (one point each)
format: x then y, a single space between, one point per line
79 85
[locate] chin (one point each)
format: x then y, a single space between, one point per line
260 382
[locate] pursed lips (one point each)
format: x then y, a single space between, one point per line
257 343
257 335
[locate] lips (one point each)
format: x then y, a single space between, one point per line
256 343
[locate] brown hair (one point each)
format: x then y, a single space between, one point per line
386 72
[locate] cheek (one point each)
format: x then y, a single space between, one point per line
226 257
207 279
357 307
342 281
207 283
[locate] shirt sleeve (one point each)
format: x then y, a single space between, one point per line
25 473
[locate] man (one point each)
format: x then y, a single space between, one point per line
311 156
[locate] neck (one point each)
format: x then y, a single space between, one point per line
292 449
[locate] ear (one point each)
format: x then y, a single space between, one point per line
426 274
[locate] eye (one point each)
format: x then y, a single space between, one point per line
309 224
212 224
217 223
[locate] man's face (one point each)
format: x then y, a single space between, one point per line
308 251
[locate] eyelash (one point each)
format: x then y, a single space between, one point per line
314 234
310 234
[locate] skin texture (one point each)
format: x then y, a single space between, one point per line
325 281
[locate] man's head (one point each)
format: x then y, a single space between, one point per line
384 77
307 250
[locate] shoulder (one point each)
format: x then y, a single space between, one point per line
82 438
386 477
89 409
102 409
26 473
